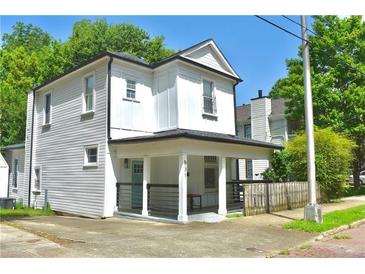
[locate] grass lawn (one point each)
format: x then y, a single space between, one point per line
20 211
330 220
234 215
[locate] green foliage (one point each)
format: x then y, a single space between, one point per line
280 170
29 56
338 90
333 160
330 220
21 211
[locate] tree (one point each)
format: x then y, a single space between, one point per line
279 170
29 56
337 56
91 38
333 160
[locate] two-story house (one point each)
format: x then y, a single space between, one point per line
120 135
263 119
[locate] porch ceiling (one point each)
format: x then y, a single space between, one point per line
178 145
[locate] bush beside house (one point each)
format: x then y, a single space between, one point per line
333 156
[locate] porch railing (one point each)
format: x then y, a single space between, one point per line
163 199
129 197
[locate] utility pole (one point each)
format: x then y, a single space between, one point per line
312 211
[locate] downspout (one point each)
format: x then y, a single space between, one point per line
234 107
31 151
109 88
235 125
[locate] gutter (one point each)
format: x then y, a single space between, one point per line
109 95
31 151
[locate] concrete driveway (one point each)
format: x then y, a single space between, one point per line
60 236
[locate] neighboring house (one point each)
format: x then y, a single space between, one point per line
117 134
12 184
263 120
4 177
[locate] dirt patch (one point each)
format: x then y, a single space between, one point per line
48 236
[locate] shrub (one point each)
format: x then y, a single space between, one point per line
279 170
333 157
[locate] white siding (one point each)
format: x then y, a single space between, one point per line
190 101
10 156
131 118
242 169
28 145
4 177
165 99
59 150
258 167
208 57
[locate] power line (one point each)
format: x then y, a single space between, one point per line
299 24
297 36
281 28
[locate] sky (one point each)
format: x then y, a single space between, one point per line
256 50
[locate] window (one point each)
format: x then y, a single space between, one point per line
89 93
210 177
210 171
15 173
249 170
208 97
247 131
131 89
91 155
37 178
47 108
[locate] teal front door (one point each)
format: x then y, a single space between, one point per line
137 181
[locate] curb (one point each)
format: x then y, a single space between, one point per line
339 229
323 235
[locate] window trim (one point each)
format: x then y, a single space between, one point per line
214 99
126 89
40 178
244 131
86 160
83 93
208 163
50 92
15 182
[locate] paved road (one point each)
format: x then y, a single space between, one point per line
346 244
60 236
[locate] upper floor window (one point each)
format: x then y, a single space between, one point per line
89 100
131 89
208 97
47 108
247 131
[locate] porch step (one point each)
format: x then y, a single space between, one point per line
209 217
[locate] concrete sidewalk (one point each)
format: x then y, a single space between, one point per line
254 236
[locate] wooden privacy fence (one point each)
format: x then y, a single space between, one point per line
266 197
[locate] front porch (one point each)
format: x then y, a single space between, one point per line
179 178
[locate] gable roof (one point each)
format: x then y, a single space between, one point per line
124 56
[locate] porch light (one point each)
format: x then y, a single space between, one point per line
126 163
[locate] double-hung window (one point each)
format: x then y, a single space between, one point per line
47 108
131 89
249 169
89 93
247 131
91 155
208 98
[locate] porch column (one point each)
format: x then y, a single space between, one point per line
222 207
146 180
183 189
